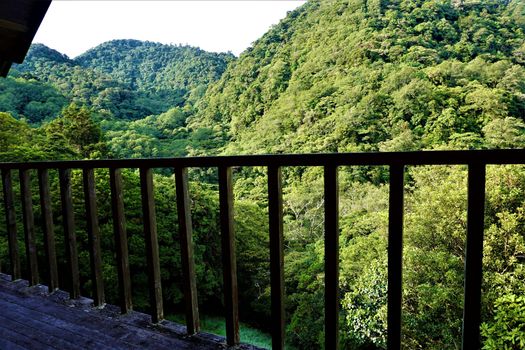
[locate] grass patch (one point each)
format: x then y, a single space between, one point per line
215 325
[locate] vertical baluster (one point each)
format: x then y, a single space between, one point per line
121 240
70 238
29 226
395 256
10 217
331 252
474 257
186 247
48 228
93 236
152 245
229 264
275 212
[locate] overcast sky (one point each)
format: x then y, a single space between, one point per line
73 26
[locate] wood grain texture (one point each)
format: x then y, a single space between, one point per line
229 263
29 226
93 231
48 229
31 319
10 218
70 238
186 248
121 240
152 245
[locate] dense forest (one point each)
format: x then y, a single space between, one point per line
333 76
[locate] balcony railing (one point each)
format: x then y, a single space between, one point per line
476 161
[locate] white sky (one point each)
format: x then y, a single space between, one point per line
73 26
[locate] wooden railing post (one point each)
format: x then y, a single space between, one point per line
395 256
48 228
186 248
275 213
29 226
471 339
10 217
121 240
331 256
229 264
152 244
93 236
70 238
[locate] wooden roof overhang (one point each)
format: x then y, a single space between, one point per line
19 21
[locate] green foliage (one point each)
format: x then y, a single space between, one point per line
349 75
30 99
169 72
216 325
79 131
507 331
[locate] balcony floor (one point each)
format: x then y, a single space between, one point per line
30 318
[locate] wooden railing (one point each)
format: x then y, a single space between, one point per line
476 161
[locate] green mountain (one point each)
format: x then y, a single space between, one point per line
357 75
140 92
163 70
124 79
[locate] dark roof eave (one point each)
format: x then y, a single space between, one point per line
4 68
19 22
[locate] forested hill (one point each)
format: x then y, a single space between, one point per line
354 75
139 92
125 79
156 67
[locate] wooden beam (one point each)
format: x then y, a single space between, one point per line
331 257
395 256
48 229
186 247
10 217
471 339
229 264
152 244
29 226
275 213
70 238
121 240
93 232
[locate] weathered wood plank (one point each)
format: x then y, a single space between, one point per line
395 256
229 264
91 328
17 336
6 344
48 229
121 240
46 330
275 213
152 244
186 247
70 238
93 232
10 217
331 257
474 257
29 226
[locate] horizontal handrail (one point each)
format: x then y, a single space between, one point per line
506 156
